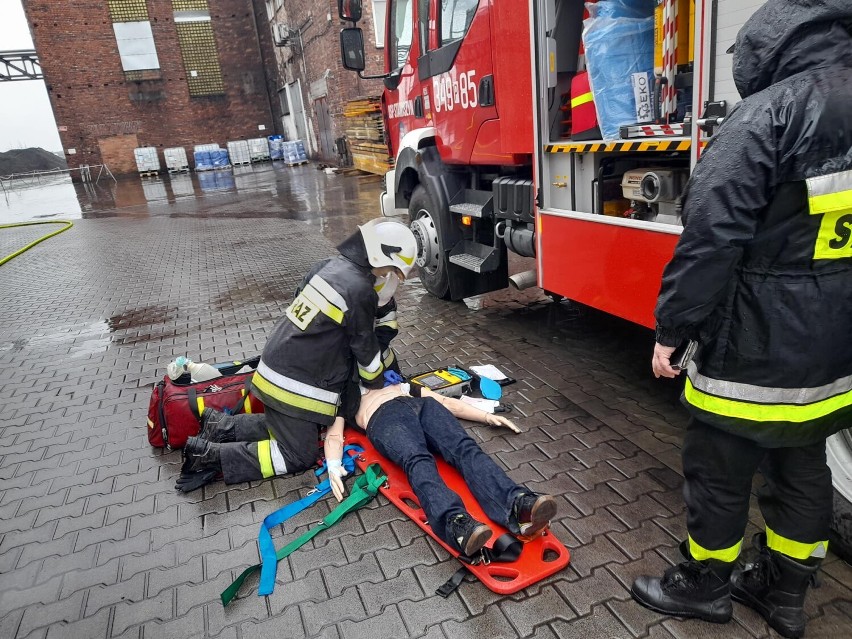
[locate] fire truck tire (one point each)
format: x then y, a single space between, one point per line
431 262
839 454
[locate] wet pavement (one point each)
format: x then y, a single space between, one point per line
95 542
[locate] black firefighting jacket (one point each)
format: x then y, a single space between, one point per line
762 274
327 332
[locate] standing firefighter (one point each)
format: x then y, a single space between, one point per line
762 277
342 319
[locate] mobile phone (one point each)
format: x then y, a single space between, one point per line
683 354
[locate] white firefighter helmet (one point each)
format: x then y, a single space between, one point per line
389 243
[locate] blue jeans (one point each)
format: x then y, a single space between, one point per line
410 431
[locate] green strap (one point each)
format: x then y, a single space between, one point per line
363 492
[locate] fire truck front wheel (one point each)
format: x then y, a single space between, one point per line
431 261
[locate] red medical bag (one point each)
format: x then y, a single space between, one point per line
174 413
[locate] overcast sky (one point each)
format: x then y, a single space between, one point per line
26 118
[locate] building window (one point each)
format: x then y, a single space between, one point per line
190 5
128 10
198 48
379 12
134 38
136 46
456 16
285 103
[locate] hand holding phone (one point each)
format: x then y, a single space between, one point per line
683 354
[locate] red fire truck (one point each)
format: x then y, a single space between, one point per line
478 94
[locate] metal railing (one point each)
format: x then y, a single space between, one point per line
89 174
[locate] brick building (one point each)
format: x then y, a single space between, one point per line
123 74
314 87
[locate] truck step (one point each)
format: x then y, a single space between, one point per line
476 257
467 208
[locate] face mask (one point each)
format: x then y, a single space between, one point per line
385 287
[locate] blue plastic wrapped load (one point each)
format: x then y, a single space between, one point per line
203 161
616 48
294 152
220 159
622 9
276 147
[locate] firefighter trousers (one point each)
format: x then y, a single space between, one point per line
795 499
268 444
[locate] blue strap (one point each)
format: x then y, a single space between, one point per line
269 563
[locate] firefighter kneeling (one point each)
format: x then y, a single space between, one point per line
762 278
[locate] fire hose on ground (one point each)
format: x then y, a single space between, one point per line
67 225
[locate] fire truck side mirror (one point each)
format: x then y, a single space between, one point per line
349 10
391 81
352 49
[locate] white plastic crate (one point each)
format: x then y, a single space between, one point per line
205 147
239 152
147 160
258 149
176 159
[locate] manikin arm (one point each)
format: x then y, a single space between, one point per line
334 457
461 410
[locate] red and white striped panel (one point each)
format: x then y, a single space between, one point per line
669 97
661 129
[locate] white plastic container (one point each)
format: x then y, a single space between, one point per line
239 152
205 147
176 159
258 149
199 371
147 160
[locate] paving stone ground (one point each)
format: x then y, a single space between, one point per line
95 542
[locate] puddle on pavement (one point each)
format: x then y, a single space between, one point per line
80 340
335 202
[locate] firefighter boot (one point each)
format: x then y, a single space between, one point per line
693 588
775 586
216 427
201 464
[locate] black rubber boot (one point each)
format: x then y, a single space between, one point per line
216 426
202 464
698 589
775 586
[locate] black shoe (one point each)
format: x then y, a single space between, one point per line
698 589
201 464
533 512
775 586
468 534
215 428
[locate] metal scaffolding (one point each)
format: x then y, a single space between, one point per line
20 65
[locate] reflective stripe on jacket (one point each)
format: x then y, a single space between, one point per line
309 354
762 274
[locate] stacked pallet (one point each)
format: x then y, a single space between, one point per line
365 135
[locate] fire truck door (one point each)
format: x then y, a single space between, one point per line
456 69
406 32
